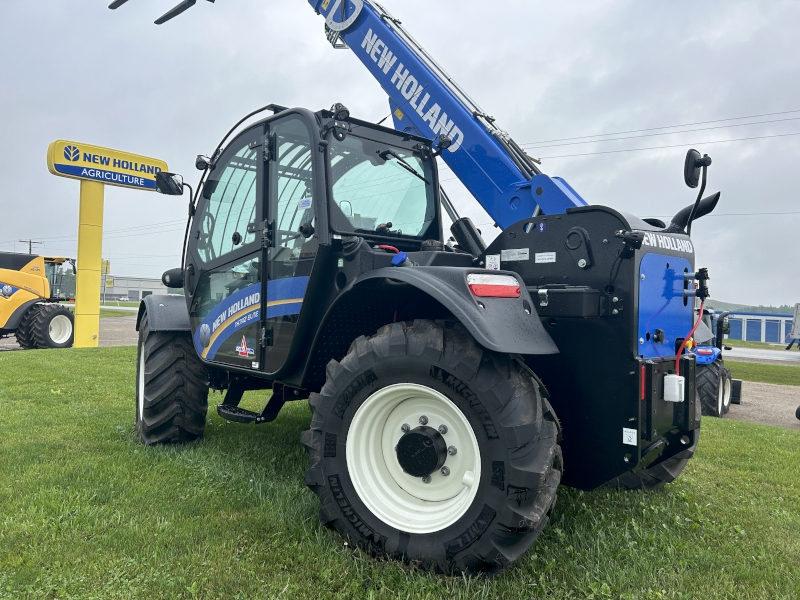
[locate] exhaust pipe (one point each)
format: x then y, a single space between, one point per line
704 207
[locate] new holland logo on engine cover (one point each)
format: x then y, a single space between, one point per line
668 242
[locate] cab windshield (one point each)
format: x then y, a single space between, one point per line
381 188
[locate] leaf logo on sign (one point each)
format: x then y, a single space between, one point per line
72 153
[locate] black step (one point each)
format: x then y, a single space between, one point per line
234 413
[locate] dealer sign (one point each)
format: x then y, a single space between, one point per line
112 167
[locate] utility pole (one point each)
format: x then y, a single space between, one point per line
30 245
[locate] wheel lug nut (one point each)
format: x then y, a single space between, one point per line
452 450
426 479
445 471
442 429
423 420
405 428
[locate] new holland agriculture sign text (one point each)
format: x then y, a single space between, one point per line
112 167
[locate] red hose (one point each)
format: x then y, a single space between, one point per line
683 345
392 248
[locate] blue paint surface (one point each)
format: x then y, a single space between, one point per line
661 304
707 359
247 301
422 104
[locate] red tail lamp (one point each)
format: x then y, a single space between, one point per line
493 286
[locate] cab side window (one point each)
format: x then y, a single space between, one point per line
230 202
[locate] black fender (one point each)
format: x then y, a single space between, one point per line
13 321
164 313
507 325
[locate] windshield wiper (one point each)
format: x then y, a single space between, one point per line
389 152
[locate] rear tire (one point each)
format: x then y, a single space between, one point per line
53 326
501 483
727 380
710 386
171 387
24 332
656 476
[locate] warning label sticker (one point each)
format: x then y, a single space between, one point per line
515 254
545 257
493 262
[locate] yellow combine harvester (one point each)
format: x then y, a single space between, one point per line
29 301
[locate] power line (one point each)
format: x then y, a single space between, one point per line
759 137
583 137
30 244
631 137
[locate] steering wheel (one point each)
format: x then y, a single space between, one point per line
207 224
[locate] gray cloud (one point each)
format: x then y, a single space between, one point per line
545 70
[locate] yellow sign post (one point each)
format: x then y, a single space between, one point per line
96 167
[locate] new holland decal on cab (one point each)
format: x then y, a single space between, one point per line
243 308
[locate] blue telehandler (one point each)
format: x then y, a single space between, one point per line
315 265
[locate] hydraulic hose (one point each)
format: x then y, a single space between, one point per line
683 345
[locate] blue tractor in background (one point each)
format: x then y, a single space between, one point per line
716 389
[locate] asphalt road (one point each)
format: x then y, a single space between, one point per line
783 356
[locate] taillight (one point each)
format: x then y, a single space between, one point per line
705 351
493 286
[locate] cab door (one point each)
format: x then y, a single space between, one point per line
226 256
291 207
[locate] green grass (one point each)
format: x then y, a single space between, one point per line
764 345
86 512
110 313
779 374
127 304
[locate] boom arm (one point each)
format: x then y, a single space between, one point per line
426 101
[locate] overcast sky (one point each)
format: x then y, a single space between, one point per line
545 70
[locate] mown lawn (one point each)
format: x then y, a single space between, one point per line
86 512
779 374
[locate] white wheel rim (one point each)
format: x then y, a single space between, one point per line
398 499
720 396
60 329
726 392
140 386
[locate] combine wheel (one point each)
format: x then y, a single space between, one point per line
171 387
52 326
426 447
713 389
24 332
656 476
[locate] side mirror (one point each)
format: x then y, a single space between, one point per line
691 168
170 184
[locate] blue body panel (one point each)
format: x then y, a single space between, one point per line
707 359
661 304
424 104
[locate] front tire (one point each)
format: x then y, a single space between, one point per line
395 390
171 387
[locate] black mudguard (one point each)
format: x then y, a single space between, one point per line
165 313
507 325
